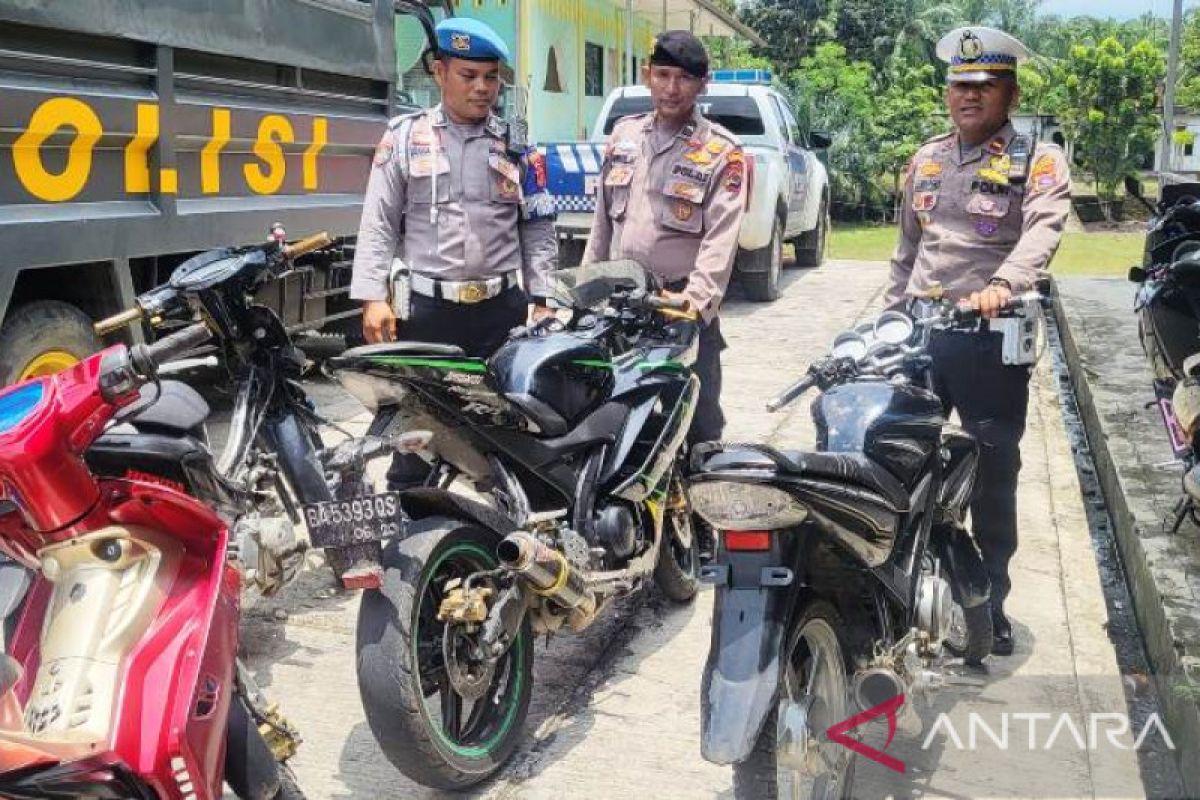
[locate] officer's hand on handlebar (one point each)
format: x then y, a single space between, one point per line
677 300
379 321
538 313
991 301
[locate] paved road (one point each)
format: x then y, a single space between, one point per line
616 709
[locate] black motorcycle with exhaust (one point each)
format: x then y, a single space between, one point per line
1168 308
273 466
843 575
572 432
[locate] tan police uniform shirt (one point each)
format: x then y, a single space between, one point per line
491 214
964 222
675 206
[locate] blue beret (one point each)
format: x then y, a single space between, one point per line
463 37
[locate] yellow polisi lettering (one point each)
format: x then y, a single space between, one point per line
137 152
210 156
272 130
320 137
50 116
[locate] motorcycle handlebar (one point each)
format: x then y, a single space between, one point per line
117 321
147 358
306 246
791 393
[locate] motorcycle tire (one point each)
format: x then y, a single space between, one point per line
398 621
677 572
288 788
758 777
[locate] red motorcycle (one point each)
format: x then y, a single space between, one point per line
121 678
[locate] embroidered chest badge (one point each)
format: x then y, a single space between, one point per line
929 169
683 210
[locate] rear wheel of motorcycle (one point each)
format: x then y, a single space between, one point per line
970 633
815 668
677 572
425 728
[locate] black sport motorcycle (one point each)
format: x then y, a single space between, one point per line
571 435
1168 308
843 574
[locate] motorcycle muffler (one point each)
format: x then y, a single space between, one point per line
875 686
547 573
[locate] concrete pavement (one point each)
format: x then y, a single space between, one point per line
616 709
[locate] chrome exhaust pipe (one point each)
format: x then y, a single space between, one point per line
546 571
876 685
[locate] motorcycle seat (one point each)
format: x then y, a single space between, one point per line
404 349
178 408
854 469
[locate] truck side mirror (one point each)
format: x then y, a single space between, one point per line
820 140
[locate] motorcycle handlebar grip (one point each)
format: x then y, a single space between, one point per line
169 347
791 393
117 321
306 246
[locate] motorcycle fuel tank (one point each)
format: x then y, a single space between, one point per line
897 426
556 379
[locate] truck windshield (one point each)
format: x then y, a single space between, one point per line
740 115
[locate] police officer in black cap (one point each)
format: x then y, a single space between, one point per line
671 196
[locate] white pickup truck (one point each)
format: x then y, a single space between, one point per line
789 187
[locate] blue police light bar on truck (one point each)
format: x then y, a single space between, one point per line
760 77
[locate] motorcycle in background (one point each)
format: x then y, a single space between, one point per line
842 574
1168 307
121 679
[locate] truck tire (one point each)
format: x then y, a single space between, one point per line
759 270
810 246
43 337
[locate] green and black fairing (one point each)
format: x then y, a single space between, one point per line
543 404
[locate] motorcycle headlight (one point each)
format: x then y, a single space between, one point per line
1186 403
728 505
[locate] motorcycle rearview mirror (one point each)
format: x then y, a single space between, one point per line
1137 275
819 140
1133 187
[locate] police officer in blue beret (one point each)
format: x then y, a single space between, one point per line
457 235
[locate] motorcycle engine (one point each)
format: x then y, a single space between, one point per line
616 528
266 549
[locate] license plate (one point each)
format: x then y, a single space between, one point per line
357 520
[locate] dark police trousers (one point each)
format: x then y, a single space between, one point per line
478 328
991 400
708 423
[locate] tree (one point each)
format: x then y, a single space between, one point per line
867 28
908 112
833 94
791 28
1110 111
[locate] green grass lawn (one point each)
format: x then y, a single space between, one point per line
1097 254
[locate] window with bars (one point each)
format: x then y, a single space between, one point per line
593 70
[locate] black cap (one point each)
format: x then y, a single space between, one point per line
680 49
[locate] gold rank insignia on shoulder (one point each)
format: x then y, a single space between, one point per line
716 147
997 146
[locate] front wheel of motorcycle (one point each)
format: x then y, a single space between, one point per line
793 758
427 729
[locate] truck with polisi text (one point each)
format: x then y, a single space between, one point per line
135 133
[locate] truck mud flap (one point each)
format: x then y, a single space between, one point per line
741 676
